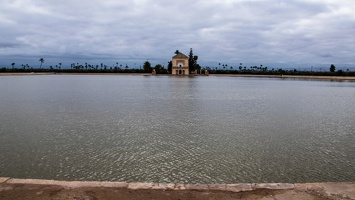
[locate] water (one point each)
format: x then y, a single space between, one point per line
176 129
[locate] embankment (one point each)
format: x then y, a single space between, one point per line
11 188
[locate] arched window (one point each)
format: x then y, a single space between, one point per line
180 64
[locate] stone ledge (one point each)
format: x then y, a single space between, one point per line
217 187
35 181
273 186
4 179
140 186
239 187
114 184
163 186
179 186
331 189
198 187
67 184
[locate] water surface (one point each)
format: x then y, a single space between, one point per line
176 129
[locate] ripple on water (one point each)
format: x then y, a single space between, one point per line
168 129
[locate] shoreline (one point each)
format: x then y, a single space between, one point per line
339 78
13 188
350 78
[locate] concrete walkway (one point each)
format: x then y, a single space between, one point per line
81 190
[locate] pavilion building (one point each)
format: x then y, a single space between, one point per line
180 64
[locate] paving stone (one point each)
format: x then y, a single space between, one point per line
308 186
79 184
33 181
238 187
180 186
220 187
4 179
198 187
274 186
344 190
163 186
140 186
114 184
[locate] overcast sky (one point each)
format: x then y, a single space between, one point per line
270 32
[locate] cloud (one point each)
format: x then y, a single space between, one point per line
228 31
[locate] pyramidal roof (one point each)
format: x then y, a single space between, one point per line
180 55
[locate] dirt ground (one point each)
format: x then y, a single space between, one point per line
54 192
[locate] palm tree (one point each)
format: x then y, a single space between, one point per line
42 61
60 65
13 65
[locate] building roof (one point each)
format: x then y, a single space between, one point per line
180 55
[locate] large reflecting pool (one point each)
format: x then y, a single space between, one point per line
176 129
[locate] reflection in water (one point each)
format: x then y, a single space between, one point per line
176 129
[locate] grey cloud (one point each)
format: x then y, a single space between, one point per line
8 45
229 31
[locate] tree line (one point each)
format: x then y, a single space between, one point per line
86 68
161 69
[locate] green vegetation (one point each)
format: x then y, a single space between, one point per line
193 62
221 68
147 67
332 68
42 61
260 70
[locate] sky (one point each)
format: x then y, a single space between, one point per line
292 33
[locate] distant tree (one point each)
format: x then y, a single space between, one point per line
192 61
159 69
170 66
147 67
197 67
42 61
13 65
240 68
60 65
332 68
